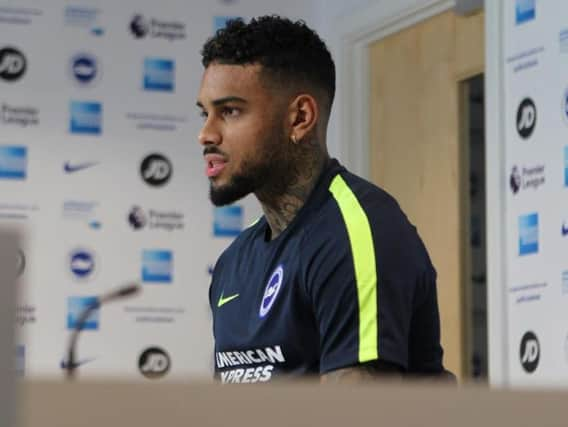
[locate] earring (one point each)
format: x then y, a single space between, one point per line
294 140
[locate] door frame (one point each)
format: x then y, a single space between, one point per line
354 36
496 193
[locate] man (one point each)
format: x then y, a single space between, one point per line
333 280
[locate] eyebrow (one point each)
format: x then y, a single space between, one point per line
224 100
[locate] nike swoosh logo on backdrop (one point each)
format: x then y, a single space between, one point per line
223 301
70 167
65 363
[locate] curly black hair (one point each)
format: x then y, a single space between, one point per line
289 52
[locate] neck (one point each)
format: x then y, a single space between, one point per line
281 206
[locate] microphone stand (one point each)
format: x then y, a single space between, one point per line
123 292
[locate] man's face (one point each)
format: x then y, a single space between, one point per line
242 134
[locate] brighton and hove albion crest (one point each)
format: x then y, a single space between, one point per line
271 291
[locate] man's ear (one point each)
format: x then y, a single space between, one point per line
303 116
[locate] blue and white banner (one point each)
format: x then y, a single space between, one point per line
536 207
101 168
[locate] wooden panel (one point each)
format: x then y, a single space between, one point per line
470 45
195 405
416 151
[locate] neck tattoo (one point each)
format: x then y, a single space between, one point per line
281 207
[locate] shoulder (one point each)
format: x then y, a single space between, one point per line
354 195
346 226
357 208
360 220
394 236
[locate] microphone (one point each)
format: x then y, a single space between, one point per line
116 294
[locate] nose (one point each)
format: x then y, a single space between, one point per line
209 134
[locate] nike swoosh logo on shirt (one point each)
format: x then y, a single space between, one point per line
223 301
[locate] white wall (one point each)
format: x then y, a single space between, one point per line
329 21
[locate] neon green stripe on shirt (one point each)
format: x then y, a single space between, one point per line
254 222
363 251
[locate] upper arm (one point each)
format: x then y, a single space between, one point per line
369 371
360 317
366 302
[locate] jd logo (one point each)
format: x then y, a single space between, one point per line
154 363
12 64
526 118
529 352
156 170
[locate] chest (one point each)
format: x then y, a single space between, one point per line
259 298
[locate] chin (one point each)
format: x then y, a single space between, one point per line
227 193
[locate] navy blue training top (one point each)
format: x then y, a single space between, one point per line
348 281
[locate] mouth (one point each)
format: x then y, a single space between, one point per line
214 165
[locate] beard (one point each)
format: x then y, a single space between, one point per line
241 185
269 169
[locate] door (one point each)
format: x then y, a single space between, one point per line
419 154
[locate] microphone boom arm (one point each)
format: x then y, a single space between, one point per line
123 292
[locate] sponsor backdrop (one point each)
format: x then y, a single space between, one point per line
100 168
536 216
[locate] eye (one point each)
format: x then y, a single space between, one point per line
203 114
230 111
